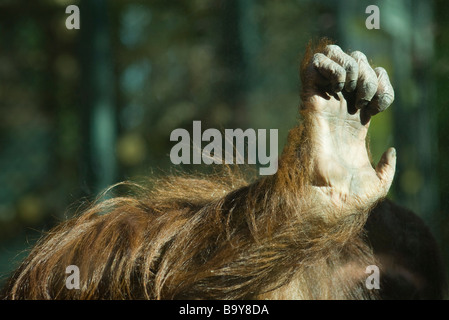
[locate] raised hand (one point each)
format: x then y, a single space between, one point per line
340 93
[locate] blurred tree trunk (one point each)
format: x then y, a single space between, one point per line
97 96
441 71
230 51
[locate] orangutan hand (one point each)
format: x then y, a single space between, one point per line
340 95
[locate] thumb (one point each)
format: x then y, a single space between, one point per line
386 168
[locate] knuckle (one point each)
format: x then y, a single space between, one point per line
358 56
333 49
380 71
317 59
332 46
382 75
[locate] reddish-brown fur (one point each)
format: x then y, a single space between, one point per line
214 237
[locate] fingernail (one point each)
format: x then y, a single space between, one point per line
338 86
351 86
393 152
362 103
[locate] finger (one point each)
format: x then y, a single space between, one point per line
347 62
385 93
367 82
386 168
333 75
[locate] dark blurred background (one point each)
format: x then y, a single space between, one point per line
83 109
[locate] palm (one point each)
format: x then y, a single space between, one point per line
340 155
